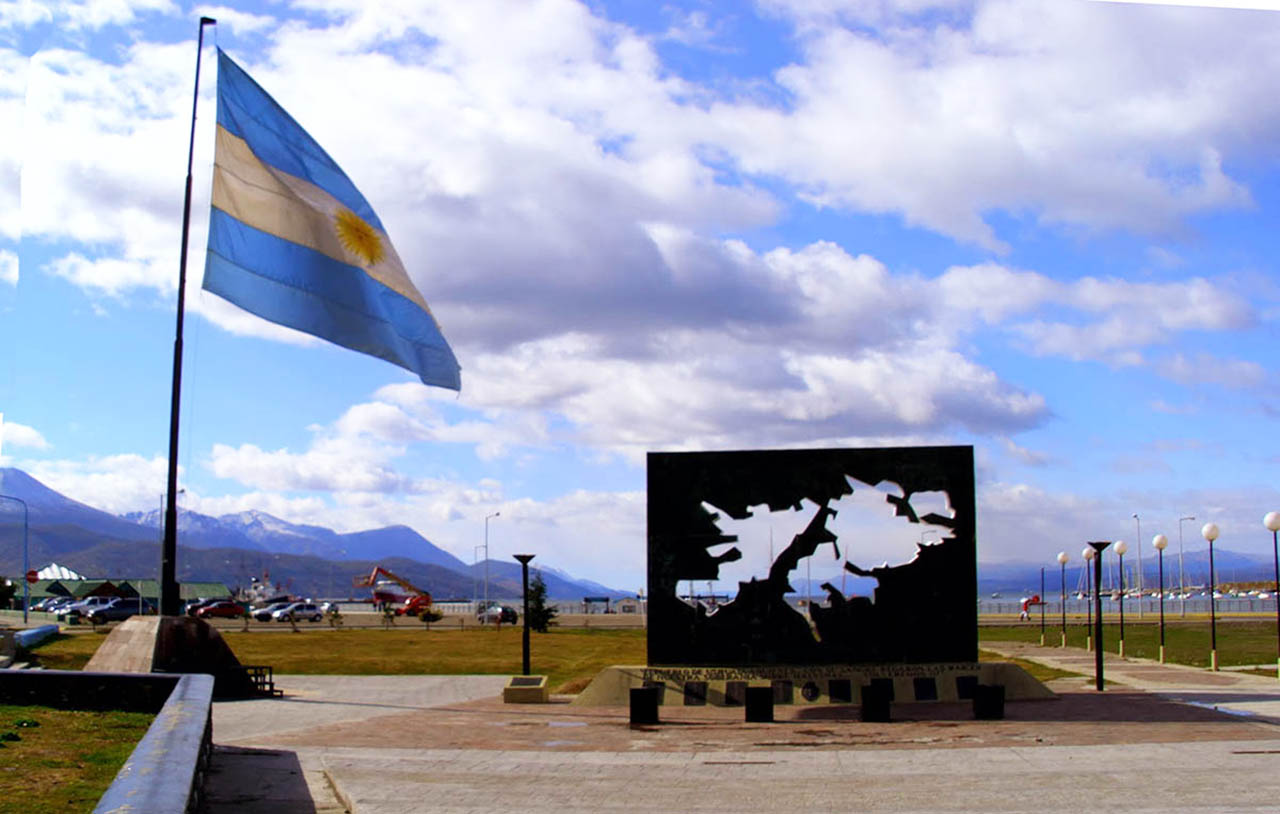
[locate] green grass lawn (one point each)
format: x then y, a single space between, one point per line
1186 642
66 762
569 657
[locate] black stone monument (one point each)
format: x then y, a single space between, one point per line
924 610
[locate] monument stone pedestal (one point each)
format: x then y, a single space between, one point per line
814 685
173 644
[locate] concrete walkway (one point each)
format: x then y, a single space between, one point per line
1232 692
378 745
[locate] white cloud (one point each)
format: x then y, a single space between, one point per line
107 275
239 22
96 14
1023 455
13 434
112 483
1074 113
8 267
331 464
23 13
1206 369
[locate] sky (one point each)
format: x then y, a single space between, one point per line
1043 228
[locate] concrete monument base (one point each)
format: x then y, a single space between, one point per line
822 684
172 644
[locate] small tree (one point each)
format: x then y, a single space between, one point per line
541 615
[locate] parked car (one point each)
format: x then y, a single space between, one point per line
85 605
330 607
118 609
58 603
192 607
222 609
49 603
299 611
265 614
497 614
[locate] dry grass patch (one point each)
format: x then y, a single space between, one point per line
63 651
1037 671
566 657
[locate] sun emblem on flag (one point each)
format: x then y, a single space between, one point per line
358 237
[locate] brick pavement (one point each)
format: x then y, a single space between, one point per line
379 745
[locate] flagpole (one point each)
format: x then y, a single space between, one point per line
169 599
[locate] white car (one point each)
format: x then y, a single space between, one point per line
497 614
299 611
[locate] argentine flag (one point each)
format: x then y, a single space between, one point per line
292 240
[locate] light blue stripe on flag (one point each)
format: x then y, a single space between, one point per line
292 240
247 111
305 290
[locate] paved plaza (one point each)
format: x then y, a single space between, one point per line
1161 738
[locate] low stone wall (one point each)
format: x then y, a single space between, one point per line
73 689
165 772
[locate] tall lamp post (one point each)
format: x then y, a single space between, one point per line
486 561
1182 575
1138 543
1088 553
26 566
1272 522
1210 533
1098 546
1121 548
1062 563
1160 541
523 559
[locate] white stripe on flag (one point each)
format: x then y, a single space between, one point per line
291 208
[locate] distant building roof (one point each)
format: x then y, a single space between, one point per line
150 589
92 587
208 590
55 571
47 587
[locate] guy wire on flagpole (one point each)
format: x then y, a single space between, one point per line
170 604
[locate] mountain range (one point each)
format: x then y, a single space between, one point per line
317 561
303 559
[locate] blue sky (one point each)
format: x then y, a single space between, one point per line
1043 228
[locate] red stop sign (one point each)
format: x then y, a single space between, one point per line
32 576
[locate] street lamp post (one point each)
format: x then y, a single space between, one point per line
26 565
1099 547
1138 543
1210 533
1160 541
1272 522
486 562
1121 548
1062 563
1182 575
1088 553
523 559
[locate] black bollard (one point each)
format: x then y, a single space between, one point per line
875 703
988 702
644 706
759 705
